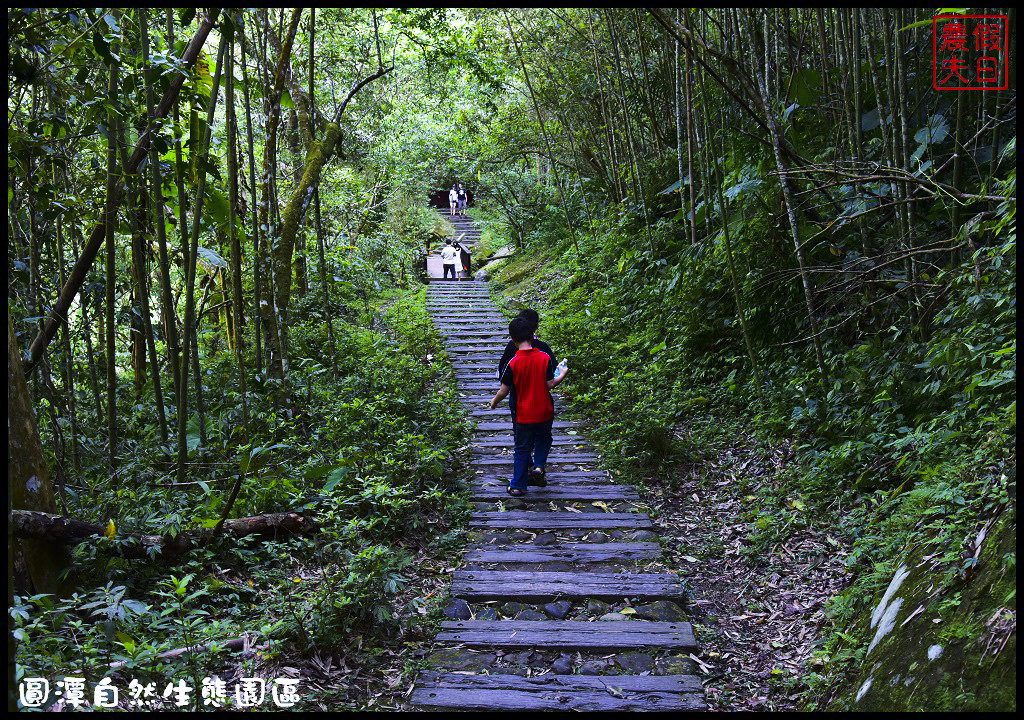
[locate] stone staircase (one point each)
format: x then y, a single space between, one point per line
464 228
553 608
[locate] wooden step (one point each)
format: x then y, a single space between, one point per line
568 634
475 334
566 478
537 520
553 459
533 586
565 693
577 553
509 442
557 493
506 424
484 322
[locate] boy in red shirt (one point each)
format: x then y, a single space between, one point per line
529 377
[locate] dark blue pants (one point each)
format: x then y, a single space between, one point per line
531 439
449 269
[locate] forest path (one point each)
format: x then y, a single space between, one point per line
561 604
464 229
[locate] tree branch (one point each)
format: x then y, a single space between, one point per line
59 311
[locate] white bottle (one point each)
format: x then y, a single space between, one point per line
562 368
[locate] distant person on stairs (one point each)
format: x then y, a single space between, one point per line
448 254
462 199
453 200
464 260
529 378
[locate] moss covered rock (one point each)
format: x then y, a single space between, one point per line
944 646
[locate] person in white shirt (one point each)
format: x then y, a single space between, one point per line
453 200
448 260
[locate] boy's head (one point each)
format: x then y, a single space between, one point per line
447 242
531 317
519 330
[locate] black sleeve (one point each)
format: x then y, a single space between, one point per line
506 358
507 376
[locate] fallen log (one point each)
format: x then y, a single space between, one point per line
29 524
496 257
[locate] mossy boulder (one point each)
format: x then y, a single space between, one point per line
936 645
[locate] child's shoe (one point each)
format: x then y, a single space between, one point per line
537 477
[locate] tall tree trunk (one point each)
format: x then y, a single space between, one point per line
257 252
324 287
90 355
236 245
156 204
691 138
28 477
69 358
648 93
190 272
635 163
606 115
143 342
280 272
724 210
787 195
544 132
677 76
109 221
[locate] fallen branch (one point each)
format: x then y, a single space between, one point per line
29 524
59 311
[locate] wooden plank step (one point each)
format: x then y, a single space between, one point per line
480 313
554 459
491 426
581 553
509 442
554 478
474 323
533 586
557 520
460 316
458 291
566 693
568 634
460 344
480 302
463 310
553 492
487 412
476 333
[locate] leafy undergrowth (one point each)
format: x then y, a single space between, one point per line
758 608
374 454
